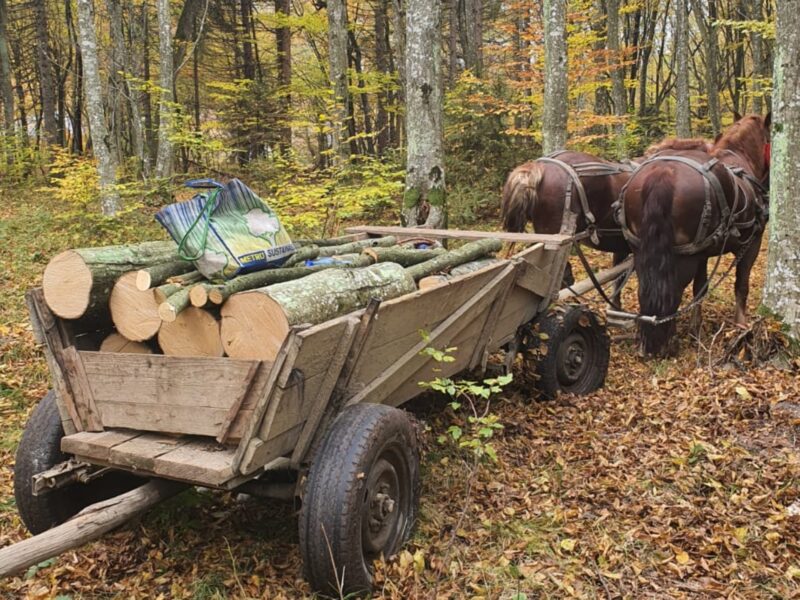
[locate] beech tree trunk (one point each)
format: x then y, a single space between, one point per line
101 142
471 32
757 50
283 41
782 288
683 115
6 90
556 99
46 80
424 200
337 57
617 74
709 34
166 83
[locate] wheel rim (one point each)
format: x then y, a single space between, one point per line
385 505
574 359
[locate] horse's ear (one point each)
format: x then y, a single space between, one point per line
736 117
768 120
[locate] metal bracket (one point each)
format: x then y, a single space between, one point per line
64 474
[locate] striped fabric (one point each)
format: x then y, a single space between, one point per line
242 233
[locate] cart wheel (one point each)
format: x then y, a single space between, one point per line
361 497
573 358
39 450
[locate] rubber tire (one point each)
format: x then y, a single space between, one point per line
39 450
559 327
331 516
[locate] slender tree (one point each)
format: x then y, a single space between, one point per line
6 89
708 32
165 81
283 43
337 56
757 52
383 63
424 201
782 290
101 142
554 120
45 68
683 115
471 32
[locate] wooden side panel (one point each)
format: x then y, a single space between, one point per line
170 394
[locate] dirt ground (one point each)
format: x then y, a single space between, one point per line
679 479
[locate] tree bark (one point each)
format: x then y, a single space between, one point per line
556 99
383 64
6 90
424 200
617 74
283 42
405 257
471 33
683 115
45 69
434 281
782 288
757 50
150 277
709 34
101 142
466 253
337 57
166 83
77 84
89 524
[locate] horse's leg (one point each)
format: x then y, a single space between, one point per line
698 288
742 285
616 295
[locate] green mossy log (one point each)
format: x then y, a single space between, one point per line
405 257
453 258
157 274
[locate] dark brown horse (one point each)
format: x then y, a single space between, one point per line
542 191
687 203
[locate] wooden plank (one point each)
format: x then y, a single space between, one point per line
287 353
480 354
45 323
140 453
412 360
550 241
197 462
605 276
236 406
260 452
81 392
159 380
95 445
325 389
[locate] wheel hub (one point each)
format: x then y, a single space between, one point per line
381 515
382 506
573 359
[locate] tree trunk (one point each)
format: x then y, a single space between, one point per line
283 42
76 111
709 34
337 56
757 50
255 323
782 290
78 281
45 69
101 143
404 257
617 73
452 40
117 90
399 37
471 33
382 62
166 83
6 90
683 115
556 99
248 61
147 105
424 201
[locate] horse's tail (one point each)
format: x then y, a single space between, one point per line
655 261
519 195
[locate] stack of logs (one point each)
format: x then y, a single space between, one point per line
151 295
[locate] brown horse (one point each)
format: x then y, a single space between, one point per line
543 191
687 203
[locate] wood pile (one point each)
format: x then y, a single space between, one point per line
148 300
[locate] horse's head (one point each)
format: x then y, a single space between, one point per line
749 137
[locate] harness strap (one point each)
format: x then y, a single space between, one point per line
584 201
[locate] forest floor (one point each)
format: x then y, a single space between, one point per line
679 479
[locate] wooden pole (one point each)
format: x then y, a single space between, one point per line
88 525
603 277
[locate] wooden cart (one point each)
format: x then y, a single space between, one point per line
322 409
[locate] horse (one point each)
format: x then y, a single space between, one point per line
545 190
685 204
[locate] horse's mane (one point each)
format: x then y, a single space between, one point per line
680 144
743 136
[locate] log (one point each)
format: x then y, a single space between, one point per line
602 277
357 246
335 241
158 274
79 282
405 257
88 525
255 323
303 254
162 292
134 312
187 278
116 342
194 332
259 279
466 253
169 310
433 281
198 294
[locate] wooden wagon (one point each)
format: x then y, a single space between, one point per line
324 410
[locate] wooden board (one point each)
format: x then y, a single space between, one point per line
551 241
95 445
140 453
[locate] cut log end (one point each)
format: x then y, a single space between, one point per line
430 282
216 295
67 285
194 332
143 280
198 295
119 343
167 312
135 313
253 326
